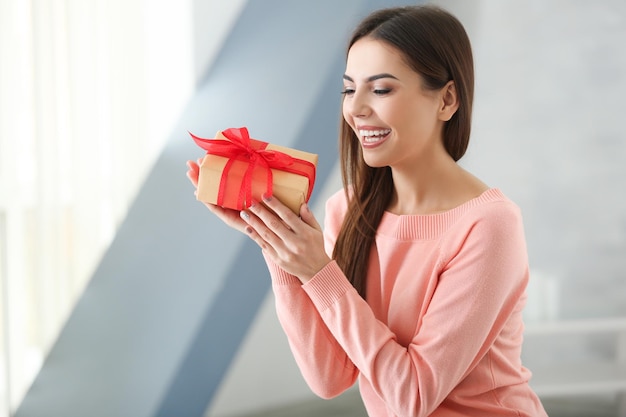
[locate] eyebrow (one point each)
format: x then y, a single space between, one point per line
372 78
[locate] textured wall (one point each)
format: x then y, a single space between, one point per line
549 130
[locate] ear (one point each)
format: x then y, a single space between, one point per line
449 101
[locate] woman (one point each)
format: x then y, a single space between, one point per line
417 284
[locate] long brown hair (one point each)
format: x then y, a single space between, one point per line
435 44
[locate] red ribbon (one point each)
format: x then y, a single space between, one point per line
239 147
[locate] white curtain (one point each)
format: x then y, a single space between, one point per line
89 91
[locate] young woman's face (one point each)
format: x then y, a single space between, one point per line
394 117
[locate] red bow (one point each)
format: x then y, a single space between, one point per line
239 147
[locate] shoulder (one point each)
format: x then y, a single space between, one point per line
493 222
491 218
498 210
492 206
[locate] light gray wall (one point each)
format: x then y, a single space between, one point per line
549 130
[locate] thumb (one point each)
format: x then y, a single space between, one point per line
307 216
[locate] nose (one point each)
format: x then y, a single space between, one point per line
356 105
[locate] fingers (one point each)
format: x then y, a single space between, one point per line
284 213
264 227
277 217
295 244
276 224
193 171
257 231
307 216
272 225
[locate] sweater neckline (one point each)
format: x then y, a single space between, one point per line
430 226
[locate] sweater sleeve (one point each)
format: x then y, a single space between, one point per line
322 361
481 276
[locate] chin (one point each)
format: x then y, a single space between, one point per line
374 163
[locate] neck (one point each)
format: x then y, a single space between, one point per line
437 184
419 190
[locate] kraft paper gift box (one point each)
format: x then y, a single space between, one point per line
238 170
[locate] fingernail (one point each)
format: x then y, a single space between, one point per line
244 215
267 197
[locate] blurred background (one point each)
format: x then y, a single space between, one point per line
120 294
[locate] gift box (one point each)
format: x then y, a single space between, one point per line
238 170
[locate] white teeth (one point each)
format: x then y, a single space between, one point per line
366 133
373 135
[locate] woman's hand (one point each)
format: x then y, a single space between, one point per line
228 216
296 244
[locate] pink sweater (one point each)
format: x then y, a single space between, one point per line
441 331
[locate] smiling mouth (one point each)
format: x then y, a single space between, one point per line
372 137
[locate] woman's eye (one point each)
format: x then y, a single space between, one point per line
378 91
